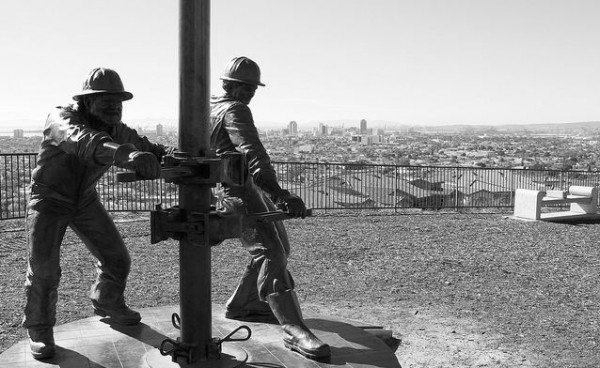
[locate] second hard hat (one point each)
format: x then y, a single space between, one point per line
244 70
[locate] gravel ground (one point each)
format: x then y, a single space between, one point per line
458 290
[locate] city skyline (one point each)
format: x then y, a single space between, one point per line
360 128
474 62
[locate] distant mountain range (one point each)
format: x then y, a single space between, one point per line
576 127
10 125
558 128
587 126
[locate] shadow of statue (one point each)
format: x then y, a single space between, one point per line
141 332
67 358
369 350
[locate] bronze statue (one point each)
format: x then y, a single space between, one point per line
266 289
81 141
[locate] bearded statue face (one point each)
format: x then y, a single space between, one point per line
108 108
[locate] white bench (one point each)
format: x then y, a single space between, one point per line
582 201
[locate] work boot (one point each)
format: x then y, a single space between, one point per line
296 335
121 314
41 342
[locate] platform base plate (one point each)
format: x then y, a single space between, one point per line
231 357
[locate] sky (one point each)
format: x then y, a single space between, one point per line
410 62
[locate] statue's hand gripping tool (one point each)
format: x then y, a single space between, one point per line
204 229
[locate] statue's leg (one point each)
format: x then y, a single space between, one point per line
275 285
244 304
98 232
45 231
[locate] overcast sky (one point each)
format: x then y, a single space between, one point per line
425 62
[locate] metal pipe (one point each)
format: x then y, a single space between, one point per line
194 115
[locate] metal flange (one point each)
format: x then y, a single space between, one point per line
182 169
205 229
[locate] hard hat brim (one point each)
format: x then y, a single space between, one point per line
126 95
242 81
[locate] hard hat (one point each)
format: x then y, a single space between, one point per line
242 69
103 80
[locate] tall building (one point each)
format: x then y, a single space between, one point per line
159 130
18 133
322 129
292 128
363 126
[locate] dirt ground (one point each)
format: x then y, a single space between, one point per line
456 290
429 338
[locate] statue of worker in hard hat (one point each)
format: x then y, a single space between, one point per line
81 141
266 289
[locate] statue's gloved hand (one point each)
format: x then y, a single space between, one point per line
127 156
145 164
291 203
231 205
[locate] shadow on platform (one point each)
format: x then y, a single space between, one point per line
96 343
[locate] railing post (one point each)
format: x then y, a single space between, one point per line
456 189
396 188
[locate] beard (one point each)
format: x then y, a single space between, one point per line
109 118
98 122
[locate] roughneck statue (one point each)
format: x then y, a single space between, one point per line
81 141
265 290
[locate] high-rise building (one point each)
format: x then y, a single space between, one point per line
159 130
363 126
292 128
323 129
18 133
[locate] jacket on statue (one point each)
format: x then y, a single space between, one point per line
233 130
72 159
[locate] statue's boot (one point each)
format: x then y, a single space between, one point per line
108 301
296 335
244 303
41 342
120 314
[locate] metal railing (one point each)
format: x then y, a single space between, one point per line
344 186
15 178
14 183
326 186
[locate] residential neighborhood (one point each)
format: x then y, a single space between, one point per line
361 167
550 149
562 147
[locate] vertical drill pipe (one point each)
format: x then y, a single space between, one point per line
194 115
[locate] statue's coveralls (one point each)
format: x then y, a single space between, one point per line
63 194
233 130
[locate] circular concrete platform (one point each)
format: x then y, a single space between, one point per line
95 343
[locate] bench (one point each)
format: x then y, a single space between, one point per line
582 201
